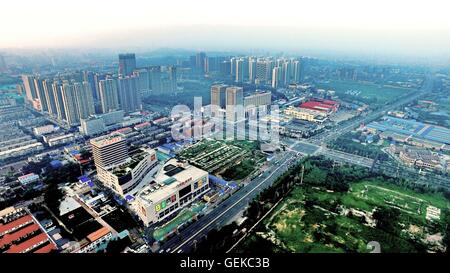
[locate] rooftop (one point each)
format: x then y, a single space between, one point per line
172 176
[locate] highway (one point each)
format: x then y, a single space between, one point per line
228 209
334 133
187 239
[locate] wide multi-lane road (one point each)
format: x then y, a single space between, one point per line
187 239
229 208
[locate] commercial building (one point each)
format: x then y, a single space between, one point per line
327 106
305 114
125 177
234 98
118 170
418 157
109 150
176 185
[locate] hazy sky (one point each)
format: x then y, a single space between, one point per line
376 26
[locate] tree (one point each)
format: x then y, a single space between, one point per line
387 219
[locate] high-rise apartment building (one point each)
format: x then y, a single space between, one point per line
109 95
234 99
127 64
129 96
57 94
49 97
70 103
276 77
218 93
200 62
84 99
30 90
40 95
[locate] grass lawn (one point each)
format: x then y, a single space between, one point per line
297 227
366 92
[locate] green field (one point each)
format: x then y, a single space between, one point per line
315 219
363 91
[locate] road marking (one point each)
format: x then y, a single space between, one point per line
225 211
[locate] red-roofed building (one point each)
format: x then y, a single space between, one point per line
327 106
21 233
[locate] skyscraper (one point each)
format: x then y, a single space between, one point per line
129 96
218 95
127 64
155 79
144 81
40 95
49 97
234 98
239 70
70 103
252 70
30 90
200 62
84 99
276 76
89 76
109 95
297 67
57 94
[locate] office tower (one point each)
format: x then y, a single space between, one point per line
252 70
40 95
109 150
57 94
234 97
127 64
155 79
129 96
84 99
49 97
239 77
218 95
276 76
200 62
89 76
70 103
28 84
109 95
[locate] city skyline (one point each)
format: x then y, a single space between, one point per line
415 29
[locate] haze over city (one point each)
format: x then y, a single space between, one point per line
226 135
384 28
